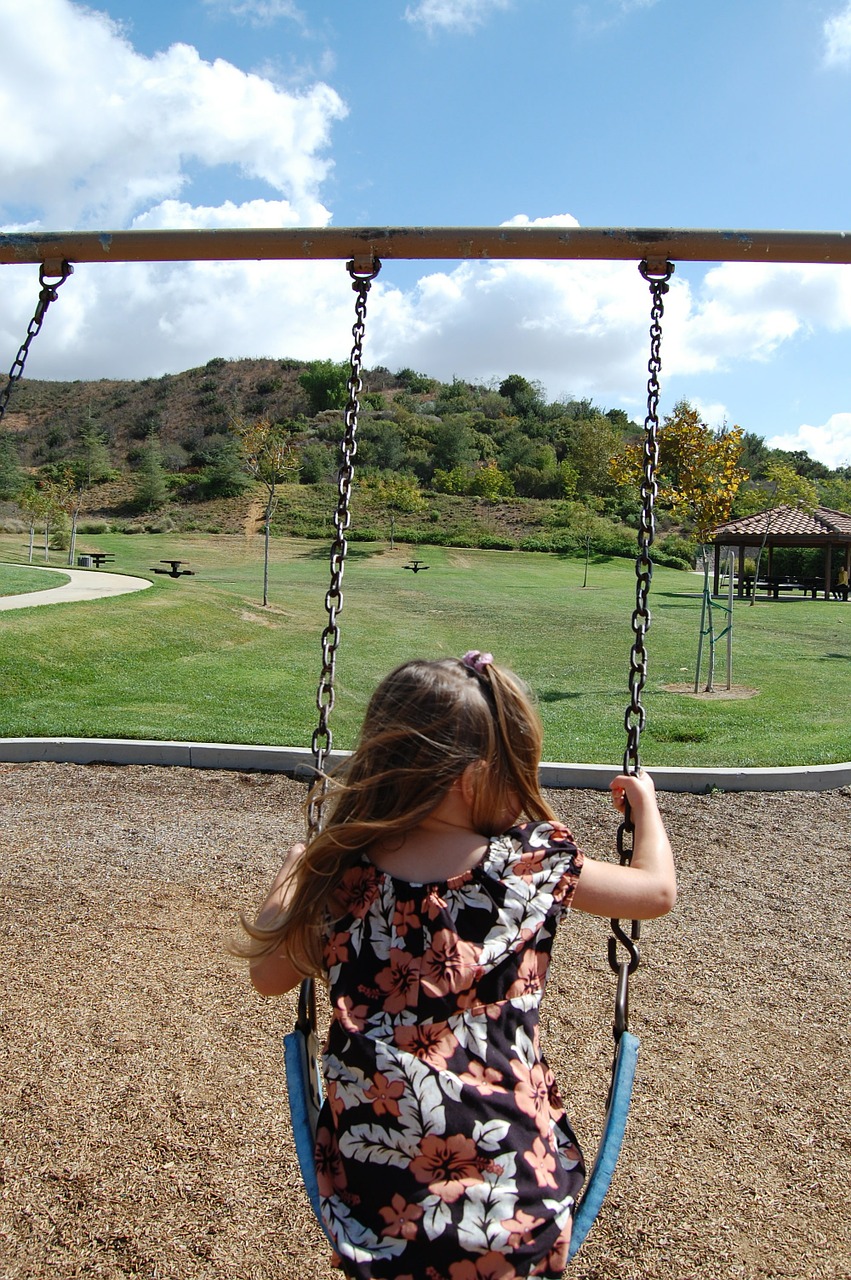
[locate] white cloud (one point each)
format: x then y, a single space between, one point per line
133 320
258 12
604 14
175 215
571 326
830 443
713 413
453 15
111 138
837 38
745 312
110 132
581 328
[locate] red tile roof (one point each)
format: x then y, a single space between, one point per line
786 522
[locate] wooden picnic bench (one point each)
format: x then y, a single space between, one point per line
773 586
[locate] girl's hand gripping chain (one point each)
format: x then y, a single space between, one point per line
647 888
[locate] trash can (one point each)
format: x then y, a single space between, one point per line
85 562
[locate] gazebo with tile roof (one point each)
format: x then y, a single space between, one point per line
786 526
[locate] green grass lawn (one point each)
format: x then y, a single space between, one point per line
199 659
18 580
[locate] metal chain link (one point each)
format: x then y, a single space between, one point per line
635 717
47 295
322 738
657 275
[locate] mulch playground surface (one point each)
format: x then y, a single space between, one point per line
145 1130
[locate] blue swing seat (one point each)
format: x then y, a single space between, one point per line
306 1091
590 1202
306 1094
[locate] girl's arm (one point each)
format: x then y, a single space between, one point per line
647 888
273 974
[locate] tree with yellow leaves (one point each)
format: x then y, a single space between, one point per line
394 495
698 472
698 477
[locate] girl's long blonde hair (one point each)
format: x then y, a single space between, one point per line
425 724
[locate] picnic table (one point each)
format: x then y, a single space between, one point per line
175 570
773 586
97 558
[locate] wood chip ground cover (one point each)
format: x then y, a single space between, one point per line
144 1122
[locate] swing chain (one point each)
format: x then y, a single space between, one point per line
362 274
657 275
635 717
48 294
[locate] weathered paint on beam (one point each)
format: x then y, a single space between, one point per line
416 243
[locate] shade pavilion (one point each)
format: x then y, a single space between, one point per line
787 526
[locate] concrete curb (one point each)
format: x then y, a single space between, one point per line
297 762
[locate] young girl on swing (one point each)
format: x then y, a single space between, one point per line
443 1149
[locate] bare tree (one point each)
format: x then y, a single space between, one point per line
270 457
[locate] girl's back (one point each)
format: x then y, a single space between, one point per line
443 1141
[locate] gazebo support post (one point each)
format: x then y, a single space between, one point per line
741 571
827 571
730 554
716 573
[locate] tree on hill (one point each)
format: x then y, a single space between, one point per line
590 442
417 383
393 495
90 454
151 492
381 445
835 493
490 483
452 443
35 505
65 488
224 475
271 458
526 398
326 384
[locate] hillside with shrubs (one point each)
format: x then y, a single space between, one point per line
455 463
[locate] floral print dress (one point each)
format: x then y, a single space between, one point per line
443 1150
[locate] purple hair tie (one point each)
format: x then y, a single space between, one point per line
477 661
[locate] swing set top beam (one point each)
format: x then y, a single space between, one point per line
364 243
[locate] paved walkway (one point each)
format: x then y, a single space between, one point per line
85 584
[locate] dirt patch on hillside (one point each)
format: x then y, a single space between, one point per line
253 518
144 1120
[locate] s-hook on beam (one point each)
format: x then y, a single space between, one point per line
364 243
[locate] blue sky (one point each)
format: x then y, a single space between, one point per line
444 112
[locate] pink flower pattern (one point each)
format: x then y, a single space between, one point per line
436 1083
